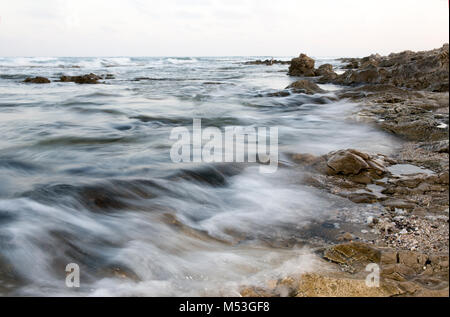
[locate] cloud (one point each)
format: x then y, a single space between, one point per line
219 27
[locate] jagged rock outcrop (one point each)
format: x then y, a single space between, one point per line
426 70
302 66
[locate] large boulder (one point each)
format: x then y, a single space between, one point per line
302 66
37 80
305 86
346 163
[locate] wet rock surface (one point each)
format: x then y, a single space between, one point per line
411 115
427 70
83 79
268 62
37 80
305 87
405 94
401 273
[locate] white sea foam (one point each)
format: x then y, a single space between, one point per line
178 61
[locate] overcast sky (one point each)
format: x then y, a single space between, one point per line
220 27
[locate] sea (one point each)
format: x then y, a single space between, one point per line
88 185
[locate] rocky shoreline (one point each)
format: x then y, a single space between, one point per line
405 94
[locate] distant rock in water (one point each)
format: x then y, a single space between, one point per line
37 80
84 79
326 72
268 62
305 86
302 66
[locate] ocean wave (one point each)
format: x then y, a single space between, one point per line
181 60
28 61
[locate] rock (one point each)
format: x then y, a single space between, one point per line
305 159
362 178
438 146
326 72
37 80
389 257
346 163
427 70
361 198
345 237
418 128
278 94
352 63
398 204
320 285
397 272
302 66
413 260
372 60
324 69
370 75
305 86
355 254
251 291
268 62
84 79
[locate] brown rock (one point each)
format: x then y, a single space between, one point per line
317 285
427 70
305 86
256 292
346 163
84 79
302 66
398 203
353 254
389 257
304 159
37 80
361 198
398 272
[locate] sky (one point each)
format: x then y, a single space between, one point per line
220 27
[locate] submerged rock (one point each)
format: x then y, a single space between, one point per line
320 285
84 79
306 87
37 80
268 62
